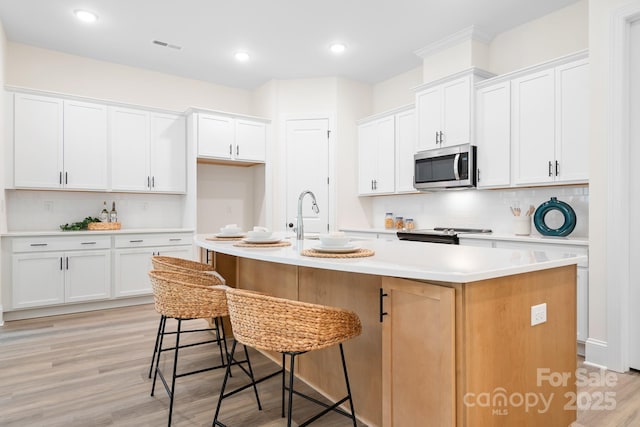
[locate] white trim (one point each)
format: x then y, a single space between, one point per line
386 113
470 33
472 71
618 190
596 352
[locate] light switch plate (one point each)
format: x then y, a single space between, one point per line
538 314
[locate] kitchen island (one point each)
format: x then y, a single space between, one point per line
447 336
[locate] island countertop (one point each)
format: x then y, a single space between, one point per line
409 260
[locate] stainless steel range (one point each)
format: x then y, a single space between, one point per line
447 235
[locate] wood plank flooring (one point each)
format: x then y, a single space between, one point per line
90 369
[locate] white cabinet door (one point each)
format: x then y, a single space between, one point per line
429 116
131 271
168 151
216 136
85 146
129 139
405 149
250 141
456 112
534 128
38 146
572 118
87 275
493 135
384 180
367 156
38 279
185 252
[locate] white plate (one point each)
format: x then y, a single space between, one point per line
223 235
271 239
336 249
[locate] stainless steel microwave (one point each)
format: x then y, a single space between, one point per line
448 167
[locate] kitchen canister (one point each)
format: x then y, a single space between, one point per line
539 218
521 225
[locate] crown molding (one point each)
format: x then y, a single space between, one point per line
470 33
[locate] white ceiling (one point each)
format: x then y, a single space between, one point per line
285 38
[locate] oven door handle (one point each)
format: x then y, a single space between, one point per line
456 167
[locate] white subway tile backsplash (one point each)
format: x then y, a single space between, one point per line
479 208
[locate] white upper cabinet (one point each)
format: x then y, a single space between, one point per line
405 149
376 156
168 153
222 137
148 151
550 125
443 110
59 144
493 135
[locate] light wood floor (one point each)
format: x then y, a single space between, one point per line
90 369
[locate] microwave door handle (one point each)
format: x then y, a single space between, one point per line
456 167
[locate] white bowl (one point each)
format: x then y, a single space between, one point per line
334 239
259 234
230 230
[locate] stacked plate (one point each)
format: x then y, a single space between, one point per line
261 235
230 231
336 243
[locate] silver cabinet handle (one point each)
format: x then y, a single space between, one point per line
149 181
456 167
437 138
237 150
67 258
153 182
136 241
60 178
88 243
230 149
60 263
478 175
550 173
66 177
441 137
175 240
557 168
38 244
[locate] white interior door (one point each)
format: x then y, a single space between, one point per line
307 168
634 196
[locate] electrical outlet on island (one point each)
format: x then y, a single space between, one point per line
538 314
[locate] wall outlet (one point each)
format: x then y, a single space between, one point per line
538 314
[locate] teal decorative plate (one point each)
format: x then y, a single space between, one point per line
567 212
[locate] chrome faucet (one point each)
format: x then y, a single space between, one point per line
314 207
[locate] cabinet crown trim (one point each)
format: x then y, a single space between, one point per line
194 110
470 33
387 113
576 56
473 71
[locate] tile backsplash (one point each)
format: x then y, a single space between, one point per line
481 208
47 210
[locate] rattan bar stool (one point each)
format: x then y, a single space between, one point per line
291 328
182 297
190 267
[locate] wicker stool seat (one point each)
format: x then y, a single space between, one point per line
290 328
182 297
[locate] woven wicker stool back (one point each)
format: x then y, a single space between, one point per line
282 325
180 265
188 296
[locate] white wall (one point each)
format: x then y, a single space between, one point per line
43 69
396 91
551 36
3 142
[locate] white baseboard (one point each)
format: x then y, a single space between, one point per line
596 353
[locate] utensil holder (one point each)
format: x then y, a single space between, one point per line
521 225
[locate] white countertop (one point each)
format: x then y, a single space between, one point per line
534 238
411 260
95 232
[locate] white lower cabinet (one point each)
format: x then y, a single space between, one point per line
44 275
133 259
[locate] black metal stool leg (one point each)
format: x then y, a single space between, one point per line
224 385
283 383
155 375
346 380
291 376
253 380
155 347
216 325
175 369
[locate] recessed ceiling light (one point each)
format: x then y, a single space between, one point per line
338 47
85 15
242 56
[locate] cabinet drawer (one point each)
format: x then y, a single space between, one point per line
42 244
147 240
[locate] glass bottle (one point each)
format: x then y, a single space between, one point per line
104 214
113 215
399 223
409 224
388 220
